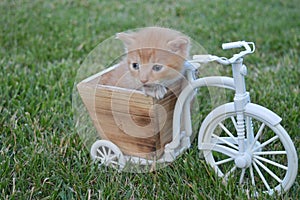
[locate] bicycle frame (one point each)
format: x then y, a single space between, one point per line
239 138
236 83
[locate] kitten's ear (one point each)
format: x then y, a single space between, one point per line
179 45
126 38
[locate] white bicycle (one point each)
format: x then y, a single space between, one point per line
238 139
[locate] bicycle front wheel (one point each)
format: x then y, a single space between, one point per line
269 162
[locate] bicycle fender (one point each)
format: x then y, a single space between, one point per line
259 111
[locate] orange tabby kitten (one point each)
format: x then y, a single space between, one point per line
154 59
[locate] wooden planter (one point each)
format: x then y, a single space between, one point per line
139 125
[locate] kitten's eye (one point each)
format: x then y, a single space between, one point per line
135 66
157 67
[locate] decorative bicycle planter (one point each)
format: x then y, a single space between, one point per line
238 138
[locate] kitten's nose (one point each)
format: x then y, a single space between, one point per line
144 81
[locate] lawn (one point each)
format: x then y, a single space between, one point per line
43 44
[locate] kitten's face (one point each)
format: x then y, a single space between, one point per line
154 66
155 55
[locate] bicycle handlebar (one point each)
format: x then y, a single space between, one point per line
232 45
238 44
249 48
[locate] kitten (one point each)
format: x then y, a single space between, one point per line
154 59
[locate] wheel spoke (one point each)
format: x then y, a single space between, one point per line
99 158
225 141
268 171
109 152
104 151
234 122
218 148
229 172
242 176
261 128
224 161
261 176
100 152
271 162
114 162
113 157
266 143
269 153
228 132
252 175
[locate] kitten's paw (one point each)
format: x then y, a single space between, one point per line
160 92
155 91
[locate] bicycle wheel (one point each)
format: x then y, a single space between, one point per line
269 162
108 154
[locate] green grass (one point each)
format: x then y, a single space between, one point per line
43 43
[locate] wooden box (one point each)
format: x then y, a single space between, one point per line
139 125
